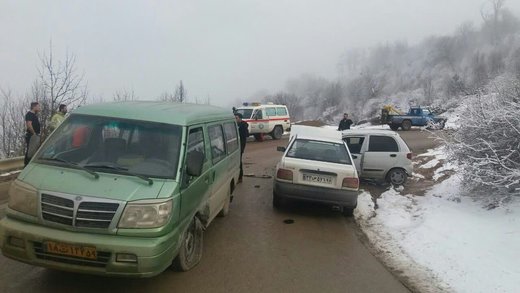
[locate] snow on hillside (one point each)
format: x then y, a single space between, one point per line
445 237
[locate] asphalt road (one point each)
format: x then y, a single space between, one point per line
251 250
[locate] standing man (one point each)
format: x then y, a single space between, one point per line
345 123
243 132
58 118
32 135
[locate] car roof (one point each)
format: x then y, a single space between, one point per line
316 133
183 114
369 132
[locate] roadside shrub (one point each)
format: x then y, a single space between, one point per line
487 144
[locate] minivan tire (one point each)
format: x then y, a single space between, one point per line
190 252
277 132
406 125
396 177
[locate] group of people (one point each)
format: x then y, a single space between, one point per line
33 128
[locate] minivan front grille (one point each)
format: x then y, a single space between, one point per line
87 214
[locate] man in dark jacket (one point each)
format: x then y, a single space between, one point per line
32 125
345 123
243 132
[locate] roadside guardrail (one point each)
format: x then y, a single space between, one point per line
8 168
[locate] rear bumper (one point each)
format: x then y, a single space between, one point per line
341 197
154 255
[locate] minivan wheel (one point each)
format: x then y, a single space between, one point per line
396 176
277 132
406 125
190 252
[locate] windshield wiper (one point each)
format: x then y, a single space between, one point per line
119 168
71 164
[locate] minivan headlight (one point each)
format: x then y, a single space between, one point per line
23 198
146 214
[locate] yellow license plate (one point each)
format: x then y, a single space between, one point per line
71 250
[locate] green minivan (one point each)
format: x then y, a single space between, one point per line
124 189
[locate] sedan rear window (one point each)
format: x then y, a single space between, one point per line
315 150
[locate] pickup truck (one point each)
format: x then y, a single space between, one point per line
416 116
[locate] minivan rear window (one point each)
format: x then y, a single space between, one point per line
115 145
316 150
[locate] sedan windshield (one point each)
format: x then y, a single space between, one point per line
114 145
315 150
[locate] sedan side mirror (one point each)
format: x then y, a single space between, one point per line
281 149
195 163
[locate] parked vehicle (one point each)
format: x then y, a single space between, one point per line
124 189
380 154
416 116
316 166
266 119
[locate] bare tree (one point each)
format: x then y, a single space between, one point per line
12 126
180 93
59 83
124 95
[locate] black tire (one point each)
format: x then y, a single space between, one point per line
277 132
258 137
277 201
348 212
394 127
190 252
406 125
396 177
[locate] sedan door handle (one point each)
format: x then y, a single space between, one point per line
393 155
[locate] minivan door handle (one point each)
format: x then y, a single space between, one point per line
393 155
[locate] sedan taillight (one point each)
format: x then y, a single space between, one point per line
284 174
350 182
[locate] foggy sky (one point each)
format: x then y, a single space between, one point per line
225 49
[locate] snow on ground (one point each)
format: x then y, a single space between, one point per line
443 241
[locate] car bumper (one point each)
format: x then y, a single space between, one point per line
341 197
154 255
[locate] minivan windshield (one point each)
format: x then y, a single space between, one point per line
114 145
316 150
246 113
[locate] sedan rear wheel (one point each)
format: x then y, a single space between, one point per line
396 176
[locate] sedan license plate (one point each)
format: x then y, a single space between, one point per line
317 178
70 250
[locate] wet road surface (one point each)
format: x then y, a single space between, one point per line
250 250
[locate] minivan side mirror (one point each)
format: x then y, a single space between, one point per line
195 163
281 149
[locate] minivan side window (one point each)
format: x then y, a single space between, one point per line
281 111
270 111
196 140
216 141
382 144
230 130
354 144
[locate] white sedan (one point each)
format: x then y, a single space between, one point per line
318 167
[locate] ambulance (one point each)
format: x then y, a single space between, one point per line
265 119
